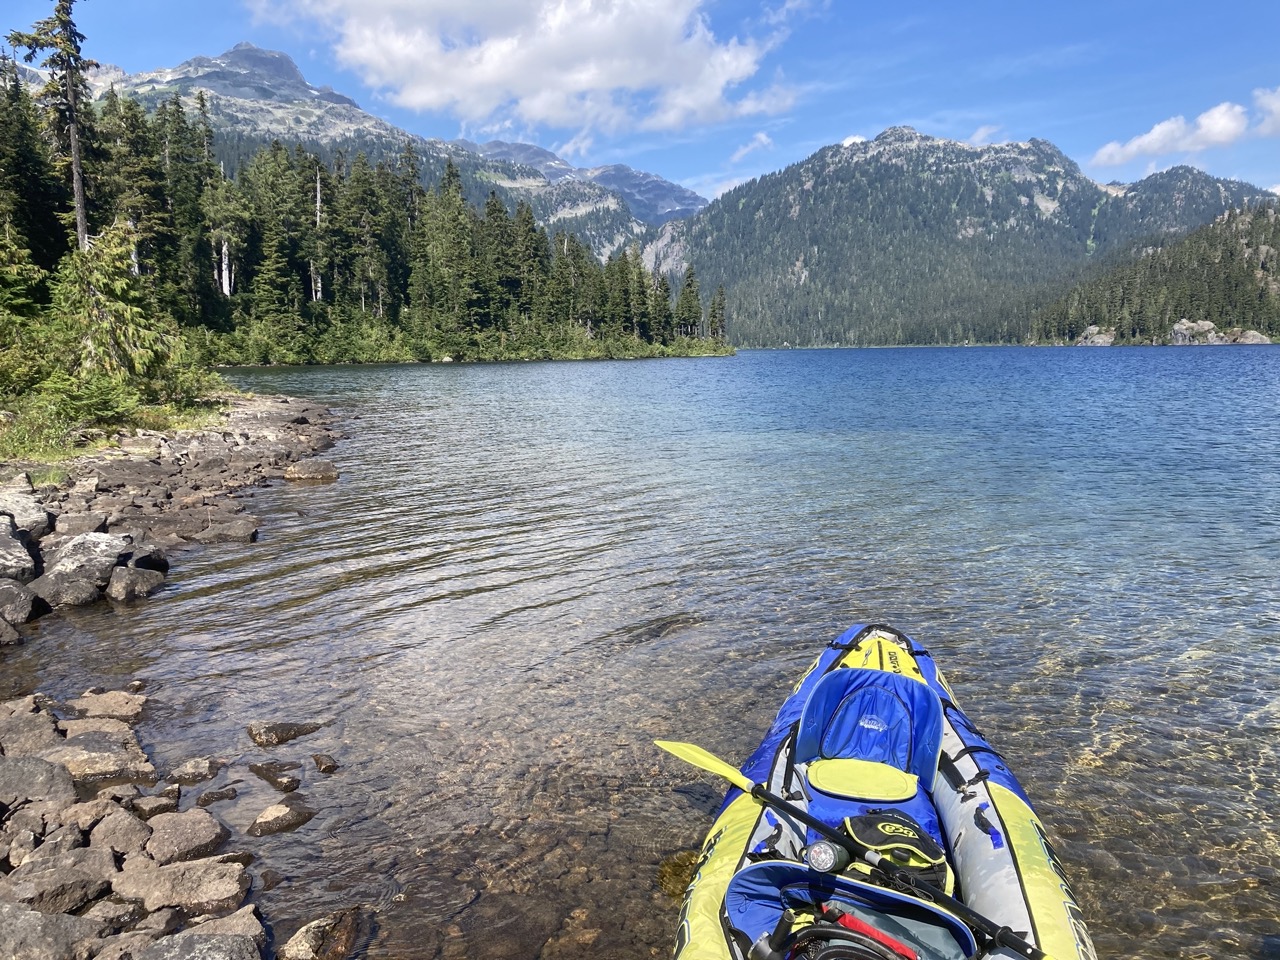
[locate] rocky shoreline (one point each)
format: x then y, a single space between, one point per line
101 859
107 527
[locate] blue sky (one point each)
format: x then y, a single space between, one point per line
710 93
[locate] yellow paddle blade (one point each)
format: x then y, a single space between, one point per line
692 753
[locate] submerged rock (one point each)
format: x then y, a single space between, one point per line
331 938
274 734
277 774
312 471
289 814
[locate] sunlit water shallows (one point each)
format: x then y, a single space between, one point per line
528 572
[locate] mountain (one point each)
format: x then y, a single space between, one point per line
650 197
912 239
1220 280
255 96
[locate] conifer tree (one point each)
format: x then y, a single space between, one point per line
66 93
688 314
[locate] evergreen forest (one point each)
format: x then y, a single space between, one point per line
1227 273
132 262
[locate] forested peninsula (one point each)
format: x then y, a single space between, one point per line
132 263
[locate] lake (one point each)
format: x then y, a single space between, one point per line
530 571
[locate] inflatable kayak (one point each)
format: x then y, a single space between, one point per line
875 822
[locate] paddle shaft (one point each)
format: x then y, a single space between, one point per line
976 921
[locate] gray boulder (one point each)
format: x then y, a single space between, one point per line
89 556
27 934
148 808
74 524
127 946
184 836
9 637
28 514
196 887
103 755
331 938
63 590
193 945
233 531
274 734
120 832
62 883
31 778
196 770
129 583
28 734
243 923
16 561
17 602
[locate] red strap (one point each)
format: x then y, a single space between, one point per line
850 922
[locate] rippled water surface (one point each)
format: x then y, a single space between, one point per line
528 572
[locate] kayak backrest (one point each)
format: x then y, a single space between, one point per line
758 894
872 715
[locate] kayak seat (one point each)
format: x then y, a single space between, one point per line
872 716
862 780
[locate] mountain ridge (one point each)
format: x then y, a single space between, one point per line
259 94
908 238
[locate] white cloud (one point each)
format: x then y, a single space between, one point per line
983 134
850 141
1217 127
1276 189
760 141
581 65
1268 102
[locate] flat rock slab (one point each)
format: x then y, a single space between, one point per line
274 734
100 755
120 832
184 836
31 935
194 945
114 705
28 734
63 883
289 814
150 807
243 923
196 770
332 938
31 778
197 887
